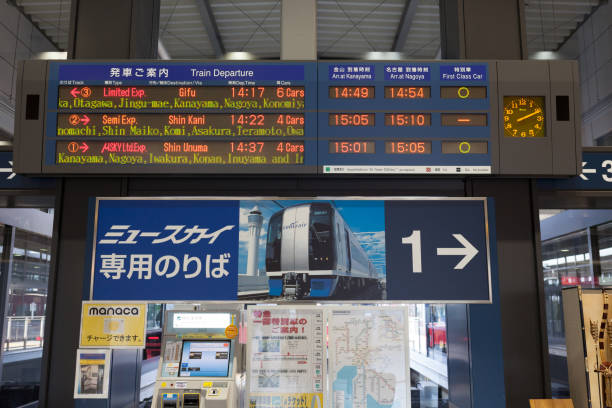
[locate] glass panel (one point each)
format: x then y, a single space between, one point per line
25 238
320 253
565 262
27 290
273 248
428 355
604 244
569 258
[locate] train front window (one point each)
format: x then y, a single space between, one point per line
321 246
273 247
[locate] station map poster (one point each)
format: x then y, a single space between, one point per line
433 249
368 358
285 362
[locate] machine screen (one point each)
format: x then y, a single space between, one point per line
205 358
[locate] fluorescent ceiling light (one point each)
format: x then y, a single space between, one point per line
239 55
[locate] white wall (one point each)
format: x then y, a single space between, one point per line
19 40
591 44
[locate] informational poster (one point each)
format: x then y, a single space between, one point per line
92 373
368 358
285 357
113 324
433 249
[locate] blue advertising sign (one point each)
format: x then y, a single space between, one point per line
10 180
404 249
165 249
438 250
596 174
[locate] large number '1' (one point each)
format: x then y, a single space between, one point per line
414 239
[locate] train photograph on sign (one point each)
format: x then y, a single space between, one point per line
308 250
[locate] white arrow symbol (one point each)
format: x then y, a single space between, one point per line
468 251
587 171
8 170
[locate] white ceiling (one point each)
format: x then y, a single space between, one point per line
346 28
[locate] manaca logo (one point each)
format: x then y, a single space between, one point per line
114 311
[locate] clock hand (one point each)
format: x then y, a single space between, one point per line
528 116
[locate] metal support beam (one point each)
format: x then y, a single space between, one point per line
299 30
463 22
6 270
208 19
404 25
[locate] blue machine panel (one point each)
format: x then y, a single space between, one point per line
413 117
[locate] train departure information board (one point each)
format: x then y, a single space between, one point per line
361 117
181 117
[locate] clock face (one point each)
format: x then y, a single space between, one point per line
524 116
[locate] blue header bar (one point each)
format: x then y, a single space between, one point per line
404 72
180 72
463 72
351 72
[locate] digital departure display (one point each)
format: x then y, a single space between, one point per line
351 92
463 92
465 147
351 147
407 119
179 153
180 97
463 119
352 119
407 92
411 147
180 124
192 116
265 117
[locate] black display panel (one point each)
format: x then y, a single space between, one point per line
352 119
180 153
180 97
407 119
193 117
408 147
190 117
407 92
352 147
180 124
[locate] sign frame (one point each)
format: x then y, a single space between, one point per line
486 201
105 382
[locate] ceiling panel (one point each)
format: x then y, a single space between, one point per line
346 28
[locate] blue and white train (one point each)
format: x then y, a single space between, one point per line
311 252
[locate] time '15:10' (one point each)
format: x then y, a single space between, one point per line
407 119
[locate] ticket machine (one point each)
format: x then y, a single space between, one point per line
198 361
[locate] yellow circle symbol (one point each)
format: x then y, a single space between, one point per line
463 92
231 331
464 147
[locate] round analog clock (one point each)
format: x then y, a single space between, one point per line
524 116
